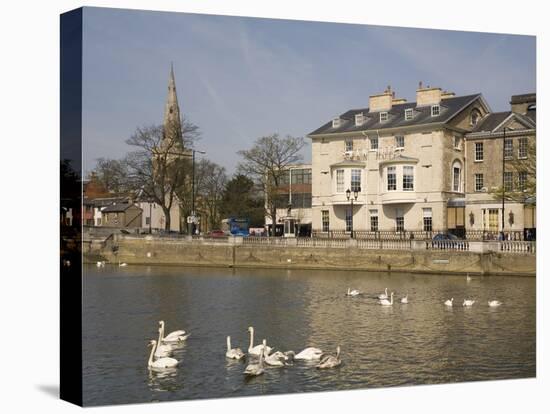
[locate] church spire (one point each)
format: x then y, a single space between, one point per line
172 118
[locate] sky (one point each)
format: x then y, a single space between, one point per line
241 78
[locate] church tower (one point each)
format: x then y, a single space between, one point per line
172 117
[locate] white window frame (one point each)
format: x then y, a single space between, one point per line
457 142
508 181
348 145
436 110
476 152
522 180
374 215
336 122
408 114
508 149
384 116
477 188
399 138
394 172
340 183
323 222
373 140
523 144
427 214
359 119
411 168
356 172
456 187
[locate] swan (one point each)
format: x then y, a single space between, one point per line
122 264
309 354
386 302
162 350
330 361
255 350
235 353
383 295
160 363
276 359
449 302
353 292
172 337
468 278
101 263
256 368
468 302
494 303
405 299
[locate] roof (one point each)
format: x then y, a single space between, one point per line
117 208
524 98
491 121
348 163
449 107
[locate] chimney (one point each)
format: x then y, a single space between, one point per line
427 96
446 95
382 102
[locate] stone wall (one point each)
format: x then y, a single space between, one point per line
153 251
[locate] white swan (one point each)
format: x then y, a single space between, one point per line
276 359
383 295
449 302
162 350
172 337
405 299
330 361
468 278
122 264
256 350
468 302
256 368
309 354
386 302
353 292
160 363
101 263
494 303
233 353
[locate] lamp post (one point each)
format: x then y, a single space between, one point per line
350 199
503 173
192 225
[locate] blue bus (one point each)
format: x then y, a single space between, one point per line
236 226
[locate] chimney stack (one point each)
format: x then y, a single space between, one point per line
427 96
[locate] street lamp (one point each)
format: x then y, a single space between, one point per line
503 173
192 225
350 199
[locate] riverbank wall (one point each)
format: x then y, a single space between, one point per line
416 258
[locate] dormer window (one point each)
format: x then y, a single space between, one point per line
359 119
336 122
383 116
408 114
435 110
474 117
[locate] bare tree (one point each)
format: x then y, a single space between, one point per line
266 163
210 181
112 175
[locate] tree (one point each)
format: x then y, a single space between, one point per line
266 164
210 181
240 199
112 175
523 188
160 167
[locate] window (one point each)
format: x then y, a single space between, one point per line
349 145
436 110
373 143
400 141
307 176
479 151
324 219
349 219
359 119
391 179
522 180
147 221
383 116
474 117
522 150
98 222
508 148
408 178
399 220
336 122
355 180
508 177
456 178
408 114
373 220
457 142
339 181
427 219
478 182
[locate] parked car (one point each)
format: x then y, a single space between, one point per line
448 241
216 233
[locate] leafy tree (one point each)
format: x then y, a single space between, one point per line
241 199
266 164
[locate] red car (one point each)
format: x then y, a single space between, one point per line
216 233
